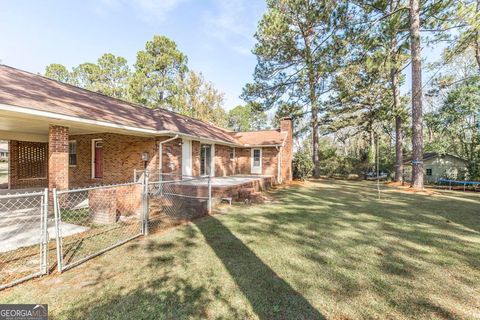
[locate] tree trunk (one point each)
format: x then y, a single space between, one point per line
477 40
316 158
417 116
398 127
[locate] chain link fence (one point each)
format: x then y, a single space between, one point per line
79 224
93 220
175 199
23 237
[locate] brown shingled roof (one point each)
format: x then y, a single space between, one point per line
264 137
24 89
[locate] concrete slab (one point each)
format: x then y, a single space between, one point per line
21 228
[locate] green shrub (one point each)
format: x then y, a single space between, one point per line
302 165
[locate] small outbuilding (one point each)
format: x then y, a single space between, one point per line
438 165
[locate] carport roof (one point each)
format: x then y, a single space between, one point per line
32 91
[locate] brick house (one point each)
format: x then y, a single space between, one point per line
62 136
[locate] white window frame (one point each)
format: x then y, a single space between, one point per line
253 160
76 153
93 157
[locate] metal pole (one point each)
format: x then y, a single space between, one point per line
145 203
45 236
209 194
57 230
378 169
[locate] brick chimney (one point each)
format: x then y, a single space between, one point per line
286 125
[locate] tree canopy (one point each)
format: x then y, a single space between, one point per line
160 78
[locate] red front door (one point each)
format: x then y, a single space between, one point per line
98 160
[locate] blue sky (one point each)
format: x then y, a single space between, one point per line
216 35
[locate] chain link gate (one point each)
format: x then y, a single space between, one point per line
23 237
87 222
91 221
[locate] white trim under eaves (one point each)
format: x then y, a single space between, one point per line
57 116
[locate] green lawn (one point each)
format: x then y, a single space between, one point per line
325 249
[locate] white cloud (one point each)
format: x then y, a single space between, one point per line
233 23
148 10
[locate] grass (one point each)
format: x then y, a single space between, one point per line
324 249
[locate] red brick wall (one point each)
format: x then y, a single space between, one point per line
172 156
270 161
58 157
223 165
15 181
243 156
121 155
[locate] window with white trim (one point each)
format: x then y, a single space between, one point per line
72 153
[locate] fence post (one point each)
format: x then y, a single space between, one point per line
209 194
45 236
58 236
145 203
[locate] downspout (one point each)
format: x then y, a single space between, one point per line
279 164
161 155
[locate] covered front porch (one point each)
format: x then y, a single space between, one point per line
53 153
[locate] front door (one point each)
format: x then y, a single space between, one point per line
206 160
98 159
257 161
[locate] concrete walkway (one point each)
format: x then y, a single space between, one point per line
20 223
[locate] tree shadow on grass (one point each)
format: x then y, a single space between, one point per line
162 295
152 301
270 296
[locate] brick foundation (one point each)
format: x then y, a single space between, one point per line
106 205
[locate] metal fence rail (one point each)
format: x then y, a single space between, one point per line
83 223
90 221
174 201
23 237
